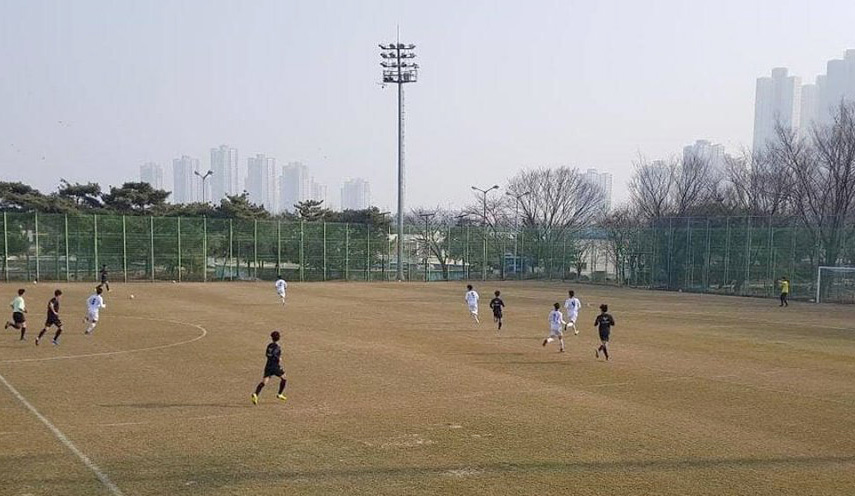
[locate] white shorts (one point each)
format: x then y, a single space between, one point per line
281 294
555 333
473 309
571 319
92 316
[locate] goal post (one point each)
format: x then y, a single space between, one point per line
835 285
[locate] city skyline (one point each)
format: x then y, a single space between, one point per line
99 88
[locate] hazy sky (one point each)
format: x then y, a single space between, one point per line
503 84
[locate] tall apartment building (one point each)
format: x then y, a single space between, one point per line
777 101
706 150
152 174
186 185
226 180
603 181
295 185
355 194
820 100
261 180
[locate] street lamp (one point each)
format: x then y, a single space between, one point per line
399 69
204 180
517 222
427 217
484 224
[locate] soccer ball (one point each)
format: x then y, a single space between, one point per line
35 282
131 297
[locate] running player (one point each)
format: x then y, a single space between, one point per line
785 292
556 323
272 368
281 287
19 311
94 304
52 318
104 282
496 304
572 306
604 322
472 300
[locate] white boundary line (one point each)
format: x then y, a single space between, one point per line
123 352
64 440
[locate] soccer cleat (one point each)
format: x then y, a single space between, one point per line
254 399
597 353
545 341
561 350
282 397
576 332
37 341
6 326
55 342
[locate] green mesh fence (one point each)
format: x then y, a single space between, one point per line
727 255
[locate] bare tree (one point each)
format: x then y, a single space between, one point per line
693 185
432 236
757 184
651 185
822 166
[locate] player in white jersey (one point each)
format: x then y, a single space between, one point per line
556 323
94 304
281 287
472 300
572 306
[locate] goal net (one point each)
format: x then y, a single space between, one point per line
835 285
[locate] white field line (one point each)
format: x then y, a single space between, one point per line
123 352
64 440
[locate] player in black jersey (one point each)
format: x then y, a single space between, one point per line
273 367
604 324
497 304
104 282
52 318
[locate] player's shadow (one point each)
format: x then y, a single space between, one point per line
156 406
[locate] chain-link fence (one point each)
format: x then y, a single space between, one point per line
728 255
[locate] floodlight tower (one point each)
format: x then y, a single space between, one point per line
399 69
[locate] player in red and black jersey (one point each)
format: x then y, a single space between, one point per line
497 304
272 368
52 318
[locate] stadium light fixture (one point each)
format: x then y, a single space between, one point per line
396 70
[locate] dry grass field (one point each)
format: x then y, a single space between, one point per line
394 391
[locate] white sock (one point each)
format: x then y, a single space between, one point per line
90 328
561 340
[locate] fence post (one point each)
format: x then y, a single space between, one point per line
564 258
302 237
279 245
67 264
36 224
5 249
347 251
520 267
388 263
727 251
151 238
771 257
124 249
670 244
179 249
205 249
231 250
747 255
466 271
324 250
707 260
95 242
793 250
368 254
255 249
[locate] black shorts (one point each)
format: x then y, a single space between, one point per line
273 370
19 317
497 314
53 320
604 335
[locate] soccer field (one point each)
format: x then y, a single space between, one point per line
394 390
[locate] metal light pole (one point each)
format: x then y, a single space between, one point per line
466 243
399 69
484 225
204 180
427 217
517 222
